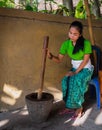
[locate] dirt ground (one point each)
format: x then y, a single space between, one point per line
20 120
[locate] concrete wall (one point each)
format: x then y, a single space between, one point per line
21 42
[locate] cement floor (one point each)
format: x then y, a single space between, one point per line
20 120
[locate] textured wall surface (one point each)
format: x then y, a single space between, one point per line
21 41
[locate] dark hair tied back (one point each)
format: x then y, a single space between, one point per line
80 42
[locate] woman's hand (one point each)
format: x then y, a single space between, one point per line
49 54
70 73
57 59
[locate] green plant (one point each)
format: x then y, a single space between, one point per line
80 11
62 10
7 3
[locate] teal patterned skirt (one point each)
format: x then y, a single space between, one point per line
74 88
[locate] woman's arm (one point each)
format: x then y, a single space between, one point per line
57 59
84 62
82 65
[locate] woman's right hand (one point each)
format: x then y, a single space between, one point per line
49 54
57 59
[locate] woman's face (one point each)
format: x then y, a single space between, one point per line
74 34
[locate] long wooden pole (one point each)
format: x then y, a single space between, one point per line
45 46
90 29
89 22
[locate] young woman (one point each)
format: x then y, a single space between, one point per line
75 82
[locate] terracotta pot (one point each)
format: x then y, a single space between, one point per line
39 110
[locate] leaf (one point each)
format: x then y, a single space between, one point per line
80 10
2 4
28 7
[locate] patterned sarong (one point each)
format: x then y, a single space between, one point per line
74 88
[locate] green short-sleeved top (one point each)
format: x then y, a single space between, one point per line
67 48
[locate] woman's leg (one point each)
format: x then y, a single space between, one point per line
77 85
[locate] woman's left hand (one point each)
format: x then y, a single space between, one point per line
70 73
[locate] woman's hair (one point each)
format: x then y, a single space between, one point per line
80 41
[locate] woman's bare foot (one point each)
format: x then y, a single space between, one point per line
79 112
66 111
